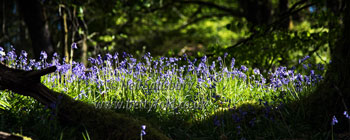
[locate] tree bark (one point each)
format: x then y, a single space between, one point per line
256 12
84 50
333 96
283 8
65 34
8 136
33 15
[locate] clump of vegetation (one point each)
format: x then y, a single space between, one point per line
208 99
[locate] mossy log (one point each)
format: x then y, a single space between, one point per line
100 123
8 136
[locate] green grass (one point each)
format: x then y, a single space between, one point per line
235 108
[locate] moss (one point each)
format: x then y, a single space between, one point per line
103 123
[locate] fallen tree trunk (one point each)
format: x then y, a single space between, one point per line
100 123
8 136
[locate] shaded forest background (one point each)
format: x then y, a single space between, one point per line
261 33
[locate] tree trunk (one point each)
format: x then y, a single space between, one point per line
8 136
65 34
84 50
333 96
283 8
34 18
256 12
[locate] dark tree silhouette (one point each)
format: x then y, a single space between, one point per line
283 8
333 96
256 12
34 17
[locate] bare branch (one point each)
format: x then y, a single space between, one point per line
294 6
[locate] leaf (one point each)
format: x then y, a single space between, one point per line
4 105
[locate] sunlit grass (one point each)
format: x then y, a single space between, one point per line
193 91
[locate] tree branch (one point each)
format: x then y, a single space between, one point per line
271 26
293 7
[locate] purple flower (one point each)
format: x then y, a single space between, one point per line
24 53
23 57
130 82
12 55
109 56
219 58
115 57
184 56
232 62
92 60
299 77
305 66
43 55
200 80
143 128
312 72
244 68
346 114
302 60
74 46
307 80
2 53
212 67
225 54
242 75
334 120
260 100
256 71
55 55
320 67
133 60
124 55
99 60
171 60
204 59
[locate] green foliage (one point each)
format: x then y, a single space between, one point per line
284 48
4 105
